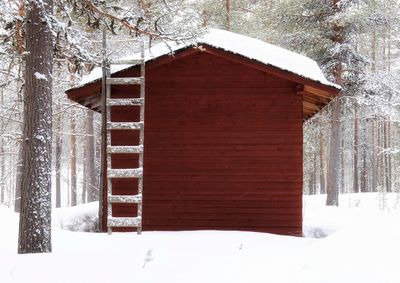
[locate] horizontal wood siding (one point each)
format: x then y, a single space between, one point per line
223 148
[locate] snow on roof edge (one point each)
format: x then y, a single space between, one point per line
251 48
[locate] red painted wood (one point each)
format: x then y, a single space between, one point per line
223 148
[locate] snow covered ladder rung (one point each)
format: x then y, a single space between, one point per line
124 221
125 102
125 149
126 61
124 125
125 81
113 151
125 173
125 199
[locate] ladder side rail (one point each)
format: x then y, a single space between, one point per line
103 170
108 144
141 136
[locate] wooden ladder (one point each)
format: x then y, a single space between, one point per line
132 173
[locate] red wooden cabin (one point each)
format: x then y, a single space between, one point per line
223 146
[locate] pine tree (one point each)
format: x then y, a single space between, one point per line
35 216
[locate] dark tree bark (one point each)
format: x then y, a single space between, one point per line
35 216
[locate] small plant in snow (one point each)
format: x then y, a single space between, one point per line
148 258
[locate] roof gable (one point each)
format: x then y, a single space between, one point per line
250 48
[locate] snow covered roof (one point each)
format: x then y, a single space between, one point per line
245 46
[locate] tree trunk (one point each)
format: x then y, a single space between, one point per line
356 186
364 177
333 183
386 157
314 174
35 216
73 162
2 157
380 167
374 177
310 184
18 180
384 51
85 168
97 171
373 49
92 190
11 186
58 149
2 172
389 48
389 129
321 162
228 14
342 171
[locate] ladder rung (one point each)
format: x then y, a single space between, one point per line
124 81
125 173
123 221
125 149
124 125
125 102
126 61
125 199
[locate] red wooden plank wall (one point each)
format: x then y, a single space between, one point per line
223 148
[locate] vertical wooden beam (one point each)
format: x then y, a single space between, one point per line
102 189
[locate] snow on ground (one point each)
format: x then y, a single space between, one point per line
81 218
361 245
